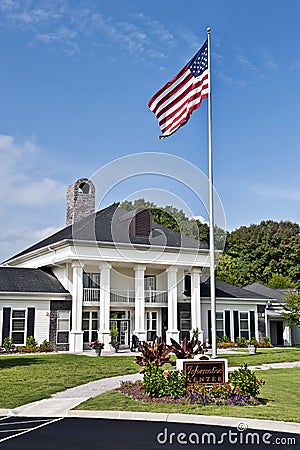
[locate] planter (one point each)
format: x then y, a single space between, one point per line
252 349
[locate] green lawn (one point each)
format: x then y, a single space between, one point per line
264 356
281 392
27 378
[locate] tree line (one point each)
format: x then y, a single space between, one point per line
267 253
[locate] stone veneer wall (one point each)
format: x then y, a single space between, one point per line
57 305
261 310
80 200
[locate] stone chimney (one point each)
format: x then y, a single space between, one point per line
80 200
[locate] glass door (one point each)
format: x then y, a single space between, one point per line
90 326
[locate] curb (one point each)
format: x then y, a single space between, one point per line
235 422
5 412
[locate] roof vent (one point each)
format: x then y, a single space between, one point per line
140 222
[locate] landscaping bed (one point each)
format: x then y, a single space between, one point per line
136 392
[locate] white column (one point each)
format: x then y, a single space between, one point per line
104 312
172 331
139 317
196 303
76 335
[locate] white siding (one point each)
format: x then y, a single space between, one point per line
42 315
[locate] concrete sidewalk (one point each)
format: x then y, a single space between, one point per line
61 404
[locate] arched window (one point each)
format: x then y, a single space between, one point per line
84 188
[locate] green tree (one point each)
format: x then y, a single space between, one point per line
267 248
279 281
291 308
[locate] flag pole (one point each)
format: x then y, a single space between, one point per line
211 214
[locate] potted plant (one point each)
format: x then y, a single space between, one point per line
97 346
113 338
252 346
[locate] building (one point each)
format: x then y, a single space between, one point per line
276 327
118 269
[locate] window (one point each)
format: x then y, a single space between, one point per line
63 327
150 282
151 325
184 324
244 324
91 280
90 326
18 324
220 324
185 321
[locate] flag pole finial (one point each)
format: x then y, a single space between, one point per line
208 29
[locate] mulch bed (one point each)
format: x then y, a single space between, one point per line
136 392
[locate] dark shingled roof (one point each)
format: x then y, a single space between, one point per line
225 290
20 279
274 294
107 225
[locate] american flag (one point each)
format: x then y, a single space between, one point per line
174 103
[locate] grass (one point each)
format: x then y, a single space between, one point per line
281 392
28 378
264 356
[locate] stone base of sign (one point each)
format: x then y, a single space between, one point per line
209 371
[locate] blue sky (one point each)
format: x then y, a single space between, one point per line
75 80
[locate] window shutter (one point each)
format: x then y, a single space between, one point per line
252 324
236 324
6 323
227 323
209 325
30 321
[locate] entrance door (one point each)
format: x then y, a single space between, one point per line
276 332
121 321
90 325
122 326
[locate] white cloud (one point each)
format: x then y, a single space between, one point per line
249 66
31 207
271 192
68 28
18 184
17 237
201 219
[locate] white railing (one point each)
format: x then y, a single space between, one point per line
153 296
91 296
122 296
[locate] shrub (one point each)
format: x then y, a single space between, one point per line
45 346
226 344
175 383
266 343
8 344
219 394
246 381
241 342
31 342
253 341
154 380
188 349
160 383
158 354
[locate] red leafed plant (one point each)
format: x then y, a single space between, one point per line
188 349
158 353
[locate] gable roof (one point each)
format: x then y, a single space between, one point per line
275 294
20 279
108 226
225 290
